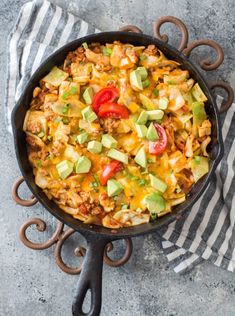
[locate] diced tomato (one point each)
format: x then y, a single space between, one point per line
158 146
109 170
105 95
113 110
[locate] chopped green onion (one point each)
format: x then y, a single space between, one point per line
155 92
65 95
84 45
65 108
143 57
38 163
171 82
65 121
107 51
41 134
57 120
145 83
73 90
141 182
70 79
149 160
96 178
153 216
178 190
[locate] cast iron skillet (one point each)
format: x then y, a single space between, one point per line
97 237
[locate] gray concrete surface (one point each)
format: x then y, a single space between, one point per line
30 282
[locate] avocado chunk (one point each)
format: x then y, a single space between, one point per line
141 130
135 80
199 166
114 187
118 155
94 147
143 72
198 93
152 134
88 115
141 158
83 165
155 115
142 119
199 113
88 95
147 103
163 103
64 168
108 141
82 138
157 183
154 202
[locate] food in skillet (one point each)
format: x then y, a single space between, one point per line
118 135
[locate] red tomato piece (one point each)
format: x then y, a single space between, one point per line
158 146
109 170
113 110
105 95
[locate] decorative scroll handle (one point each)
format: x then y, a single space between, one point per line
206 64
226 103
130 28
178 23
17 198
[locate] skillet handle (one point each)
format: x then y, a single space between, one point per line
90 278
230 94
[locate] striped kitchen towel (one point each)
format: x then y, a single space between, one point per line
207 232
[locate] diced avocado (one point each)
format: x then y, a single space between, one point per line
82 138
55 77
199 115
147 103
135 80
157 184
88 95
154 202
83 165
141 158
142 119
143 72
155 115
114 188
88 114
199 166
152 134
198 93
108 141
141 130
64 168
163 103
94 147
118 155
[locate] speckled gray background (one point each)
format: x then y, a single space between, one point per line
30 282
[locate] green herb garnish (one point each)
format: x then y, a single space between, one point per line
197 159
153 216
49 138
65 121
66 108
73 90
38 163
141 182
155 92
107 51
124 206
145 83
65 95
70 79
171 82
